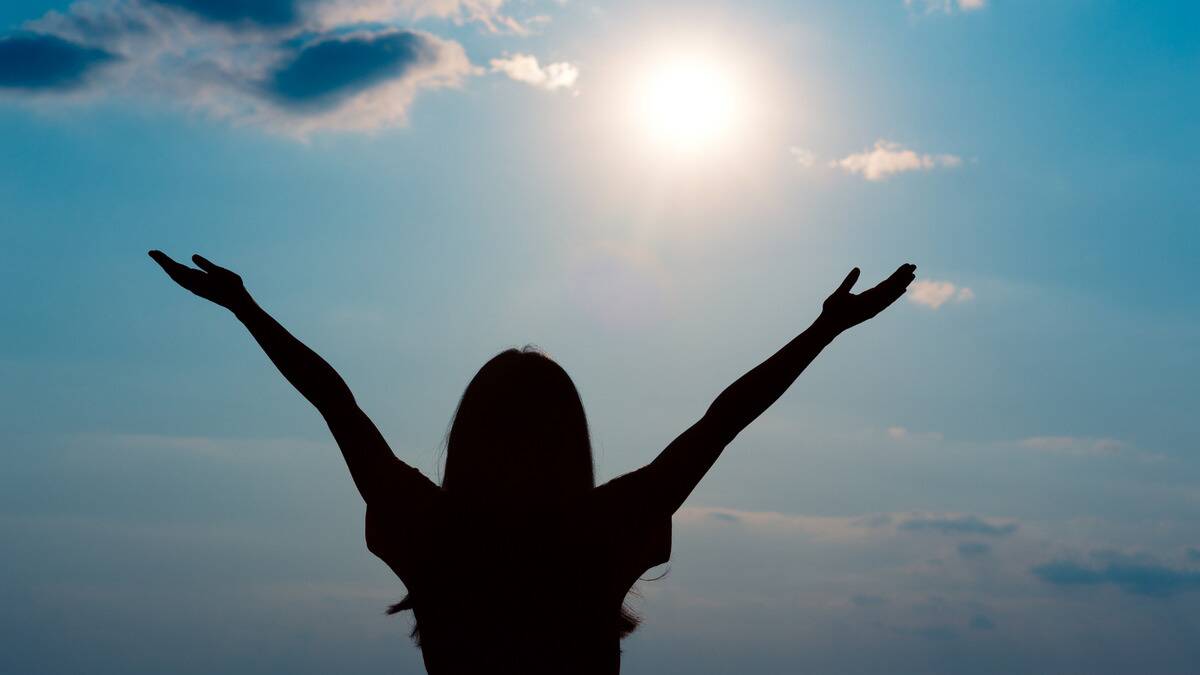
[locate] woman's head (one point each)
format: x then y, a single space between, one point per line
519 438
519 434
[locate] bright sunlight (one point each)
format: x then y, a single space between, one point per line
687 104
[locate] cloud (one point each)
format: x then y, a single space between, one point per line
240 12
36 62
981 622
489 13
335 68
869 600
934 294
887 158
725 516
812 527
974 549
525 68
952 525
937 633
268 63
857 527
902 434
1074 445
1137 576
803 156
946 6
321 15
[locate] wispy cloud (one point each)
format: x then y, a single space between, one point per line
803 156
934 294
1138 575
958 524
887 158
945 6
816 527
903 434
525 68
489 13
853 527
974 549
1074 445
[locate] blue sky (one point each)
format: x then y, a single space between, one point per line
997 475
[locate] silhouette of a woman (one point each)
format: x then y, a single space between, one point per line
518 563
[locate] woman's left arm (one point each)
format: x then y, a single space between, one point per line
661 487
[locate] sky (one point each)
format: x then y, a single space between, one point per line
999 474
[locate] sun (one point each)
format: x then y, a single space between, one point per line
687 104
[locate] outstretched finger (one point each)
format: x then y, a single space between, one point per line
206 265
904 272
167 263
899 279
848 283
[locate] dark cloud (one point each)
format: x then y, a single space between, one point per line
328 71
981 622
974 549
938 633
727 517
37 62
958 525
868 600
272 63
1136 576
266 13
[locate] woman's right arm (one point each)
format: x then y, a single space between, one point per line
379 476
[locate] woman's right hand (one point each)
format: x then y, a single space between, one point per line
213 283
844 309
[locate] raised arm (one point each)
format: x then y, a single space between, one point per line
376 471
663 485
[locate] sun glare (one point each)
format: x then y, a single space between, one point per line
688 104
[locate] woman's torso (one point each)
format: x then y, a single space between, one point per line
529 591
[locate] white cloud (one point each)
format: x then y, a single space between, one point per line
803 156
946 6
839 528
888 157
525 68
902 434
934 294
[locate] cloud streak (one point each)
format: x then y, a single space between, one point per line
1134 575
887 158
956 525
946 6
1074 445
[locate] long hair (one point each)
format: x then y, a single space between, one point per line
519 432
519 438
